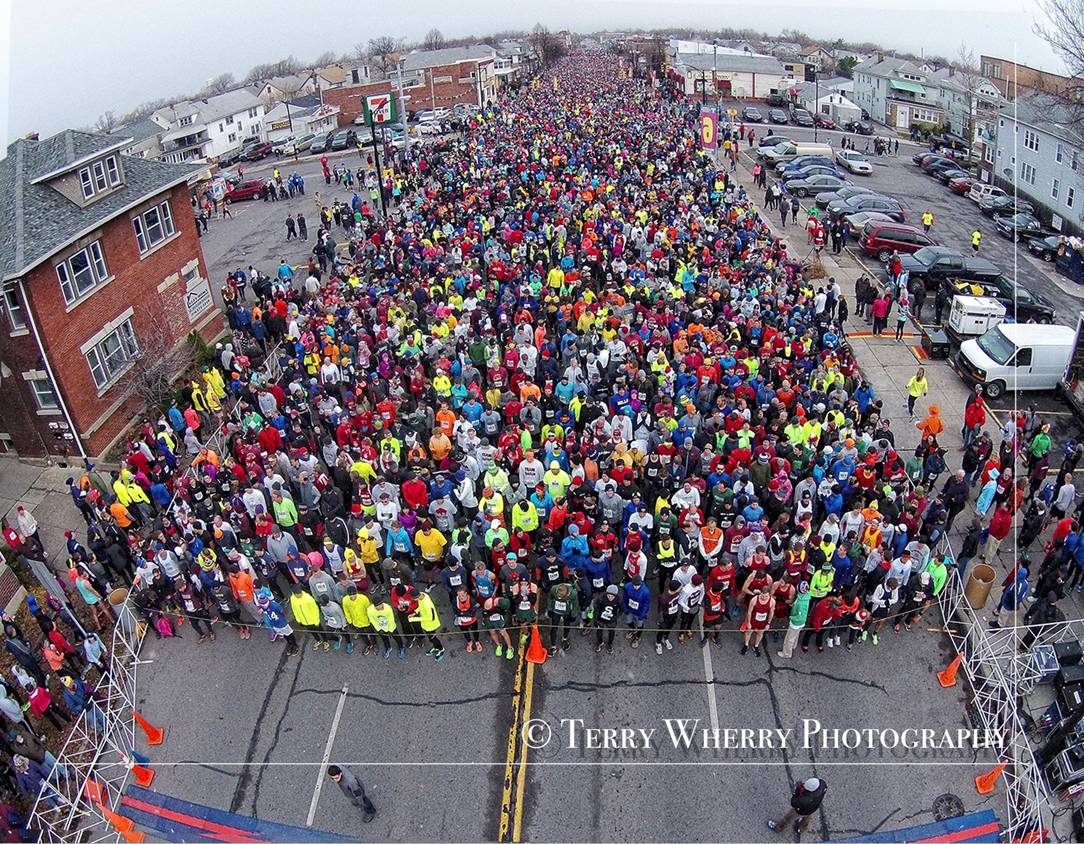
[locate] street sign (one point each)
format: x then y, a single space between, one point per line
380 108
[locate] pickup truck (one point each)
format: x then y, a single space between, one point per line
932 264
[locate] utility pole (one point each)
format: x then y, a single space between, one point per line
816 100
714 64
402 108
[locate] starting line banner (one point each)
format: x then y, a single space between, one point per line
709 128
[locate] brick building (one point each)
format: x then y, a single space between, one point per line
102 269
1008 76
431 79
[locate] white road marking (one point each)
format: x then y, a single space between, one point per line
327 755
709 677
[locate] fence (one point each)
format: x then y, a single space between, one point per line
103 737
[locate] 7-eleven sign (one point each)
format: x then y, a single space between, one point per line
380 108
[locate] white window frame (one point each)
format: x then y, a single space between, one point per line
112 170
1070 196
1055 188
14 307
44 395
145 230
1031 140
112 355
101 180
95 265
1058 155
1027 173
86 180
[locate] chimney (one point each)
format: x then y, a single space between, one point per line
951 71
880 57
31 136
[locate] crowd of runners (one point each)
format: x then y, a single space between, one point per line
573 380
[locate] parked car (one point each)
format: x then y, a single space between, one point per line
804 161
922 157
230 158
810 170
937 169
1020 303
859 219
845 192
340 140
1021 226
880 240
859 127
980 191
802 117
777 100
1016 357
752 114
255 152
937 161
854 161
961 184
936 263
867 202
320 142
824 121
949 173
1045 248
246 189
1001 205
769 141
777 115
806 185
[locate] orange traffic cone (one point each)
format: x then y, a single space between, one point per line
93 791
142 775
947 678
134 837
120 823
984 783
154 734
535 652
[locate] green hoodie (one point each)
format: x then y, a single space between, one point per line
800 610
567 607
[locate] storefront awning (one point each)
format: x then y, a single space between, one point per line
904 85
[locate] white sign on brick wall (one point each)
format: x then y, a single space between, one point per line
197 295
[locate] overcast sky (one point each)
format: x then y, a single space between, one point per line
71 60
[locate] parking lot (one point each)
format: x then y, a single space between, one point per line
955 217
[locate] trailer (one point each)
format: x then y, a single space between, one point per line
969 317
1071 387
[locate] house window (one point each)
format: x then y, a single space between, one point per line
354 77
1072 161
1070 197
113 354
14 307
44 394
1031 140
185 121
221 127
87 182
252 111
233 138
1027 173
1055 189
100 180
997 71
82 272
1058 153
988 155
153 226
113 170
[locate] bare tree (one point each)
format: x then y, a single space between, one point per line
967 75
157 365
283 67
324 59
106 123
434 39
360 51
382 50
1064 32
219 85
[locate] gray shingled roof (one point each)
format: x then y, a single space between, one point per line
887 65
138 131
449 55
38 220
732 62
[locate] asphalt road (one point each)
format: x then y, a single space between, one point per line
247 728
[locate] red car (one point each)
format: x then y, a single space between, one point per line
880 240
961 184
246 189
824 121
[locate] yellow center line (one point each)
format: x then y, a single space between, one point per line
513 740
521 777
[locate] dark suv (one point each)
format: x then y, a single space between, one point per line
866 202
934 263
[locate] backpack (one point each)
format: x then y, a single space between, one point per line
164 628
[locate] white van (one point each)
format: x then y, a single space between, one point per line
789 150
979 192
1016 356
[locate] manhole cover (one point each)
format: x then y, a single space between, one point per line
947 806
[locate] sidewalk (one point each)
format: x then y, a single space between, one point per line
44 493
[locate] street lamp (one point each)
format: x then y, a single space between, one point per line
714 64
816 100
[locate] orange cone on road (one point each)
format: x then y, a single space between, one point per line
154 734
120 823
134 837
142 775
985 783
535 652
947 678
93 791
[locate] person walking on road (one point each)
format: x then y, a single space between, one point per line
917 387
976 241
351 786
927 220
291 228
807 799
